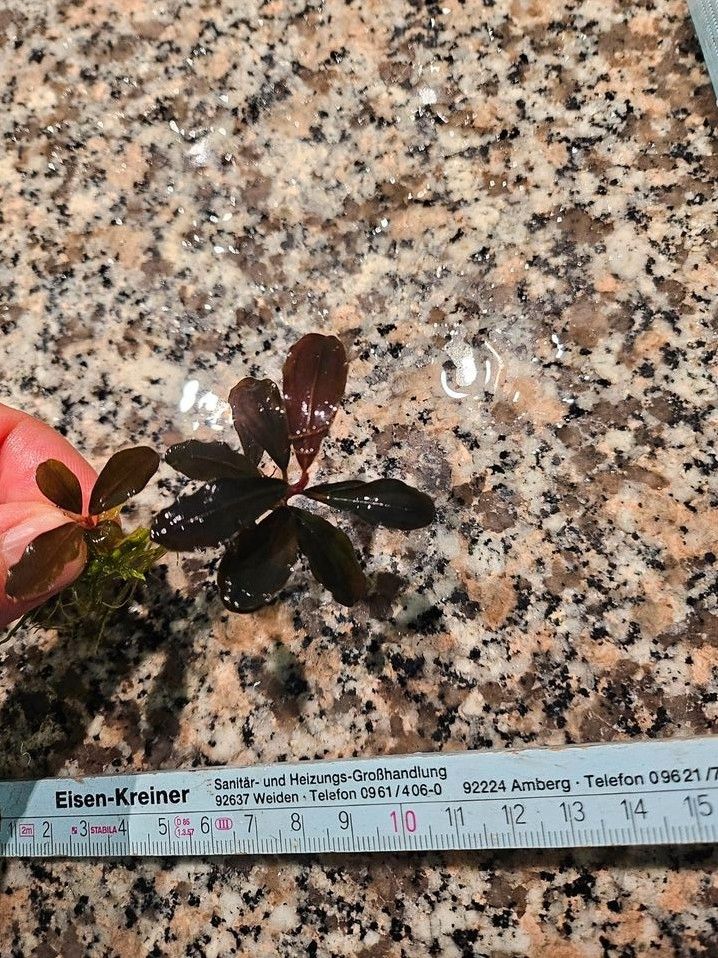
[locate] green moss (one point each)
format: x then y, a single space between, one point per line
117 564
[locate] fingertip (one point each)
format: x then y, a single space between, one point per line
26 444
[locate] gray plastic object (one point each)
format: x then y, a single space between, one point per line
705 20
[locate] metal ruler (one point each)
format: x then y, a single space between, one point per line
636 793
705 20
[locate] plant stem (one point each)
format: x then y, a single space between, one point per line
300 485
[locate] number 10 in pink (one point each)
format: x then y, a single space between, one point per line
409 820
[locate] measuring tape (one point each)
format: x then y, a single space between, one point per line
705 20
637 793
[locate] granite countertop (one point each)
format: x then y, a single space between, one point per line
514 202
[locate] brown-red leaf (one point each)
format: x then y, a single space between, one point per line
105 536
331 557
257 563
384 502
37 571
208 460
260 420
315 375
124 475
61 486
216 512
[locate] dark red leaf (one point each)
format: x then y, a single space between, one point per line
257 563
61 486
124 475
315 375
105 536
260 419
331 557
208 460
216 512
252 451
384 502
39 567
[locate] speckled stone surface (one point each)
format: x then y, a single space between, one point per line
513 201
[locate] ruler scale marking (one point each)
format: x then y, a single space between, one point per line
636 793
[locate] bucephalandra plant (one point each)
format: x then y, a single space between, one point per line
116 565
112 562
250 512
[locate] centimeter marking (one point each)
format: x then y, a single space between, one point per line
634 793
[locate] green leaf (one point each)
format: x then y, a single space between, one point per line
331 557
315 375
208 460
216 512
384 502
61 486
260 419
44 559
257 563
124 475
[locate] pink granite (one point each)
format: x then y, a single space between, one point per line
507 211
